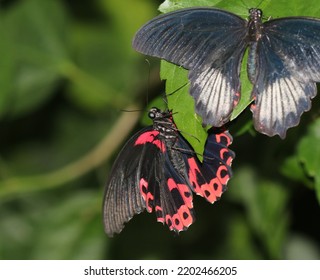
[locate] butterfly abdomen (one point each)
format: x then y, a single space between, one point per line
254 34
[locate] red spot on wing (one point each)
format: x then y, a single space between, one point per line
180 220
223 138
213 189
159 214
194 169
223 178
236 99
184 191
146 195
225 155
150 137
183 217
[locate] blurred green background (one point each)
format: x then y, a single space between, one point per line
67 72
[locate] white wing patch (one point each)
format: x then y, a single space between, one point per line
214 95
280 104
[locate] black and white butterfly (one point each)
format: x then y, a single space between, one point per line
283 62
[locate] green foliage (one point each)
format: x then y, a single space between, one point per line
311 157
66 72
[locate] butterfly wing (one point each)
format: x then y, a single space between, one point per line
216 91
165 190
287 68
122 198
210 178
210 43
145 176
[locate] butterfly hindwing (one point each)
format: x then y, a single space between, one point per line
209 178
164 189
288 66
215 109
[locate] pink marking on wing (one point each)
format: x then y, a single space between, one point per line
171 184
253 106
169 222
194 169
236 99
229 161
159 213
186 195
223 179
223 138
185 214
211 190
146 195
184 191
175 222
150 137
223 153
180 220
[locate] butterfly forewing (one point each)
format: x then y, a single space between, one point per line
211 44
193 38
122 199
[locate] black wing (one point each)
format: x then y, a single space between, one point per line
209 178
145 176
287 69
210 43
122 198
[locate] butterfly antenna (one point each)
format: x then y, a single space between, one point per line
176 90
132 111
165 100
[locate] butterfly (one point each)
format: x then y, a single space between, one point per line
157 170
283 62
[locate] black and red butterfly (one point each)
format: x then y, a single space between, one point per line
157 170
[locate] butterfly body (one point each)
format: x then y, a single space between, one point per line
157 170
283 62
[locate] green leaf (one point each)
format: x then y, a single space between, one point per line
293 169
309 154
172 5
179 99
